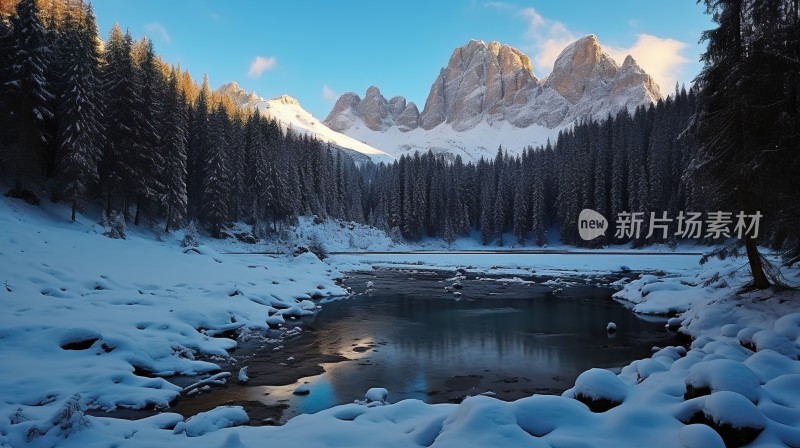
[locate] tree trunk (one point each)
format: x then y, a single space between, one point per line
138 210
74 206
108 202
760 280
754 258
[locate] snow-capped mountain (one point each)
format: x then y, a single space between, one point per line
488 96
288 112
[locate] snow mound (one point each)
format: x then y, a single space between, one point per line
733 409
789 326
242 377
377 394
469 425
660 296
768 365
275 320
719 375
730 330
769 339
599 389
700 436
745 336
785 390
215 419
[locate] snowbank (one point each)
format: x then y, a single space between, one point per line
115 320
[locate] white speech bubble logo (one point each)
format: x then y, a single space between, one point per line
591 224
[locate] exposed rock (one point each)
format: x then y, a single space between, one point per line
494 84
582 69
408 119
343 113
480 81
374 111
397 105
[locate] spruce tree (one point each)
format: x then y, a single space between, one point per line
29 91
80 132
216 181
119 97
145 160
724 132
175 118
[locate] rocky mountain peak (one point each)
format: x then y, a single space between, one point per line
494 84
374 111
632 82
581 68
286 99
480 81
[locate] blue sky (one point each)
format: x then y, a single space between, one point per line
315 50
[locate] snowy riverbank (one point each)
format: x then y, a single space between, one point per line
109 320
94 322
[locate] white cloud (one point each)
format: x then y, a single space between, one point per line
547 39
157 30
661 58
499 5
329 94
260 65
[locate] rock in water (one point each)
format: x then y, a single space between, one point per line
303 389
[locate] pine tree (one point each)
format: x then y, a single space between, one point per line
175 118
216 177
520 214
80 131
197 151
119 98
724 129
29 91
145 159
7 134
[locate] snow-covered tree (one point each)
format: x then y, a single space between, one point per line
30 92
175 117
80 132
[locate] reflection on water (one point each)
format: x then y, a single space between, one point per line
417 340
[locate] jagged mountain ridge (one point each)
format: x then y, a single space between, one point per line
291 115
493 86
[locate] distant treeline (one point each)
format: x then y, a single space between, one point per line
118 125
623 163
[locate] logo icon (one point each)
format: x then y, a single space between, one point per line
591 224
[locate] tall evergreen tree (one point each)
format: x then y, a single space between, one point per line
216 181
29 91
80 132
197 151
174 119
119 99
728 147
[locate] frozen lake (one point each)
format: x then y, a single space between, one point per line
508 338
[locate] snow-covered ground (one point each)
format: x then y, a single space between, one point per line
479 142
110 319
343 236
85 317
